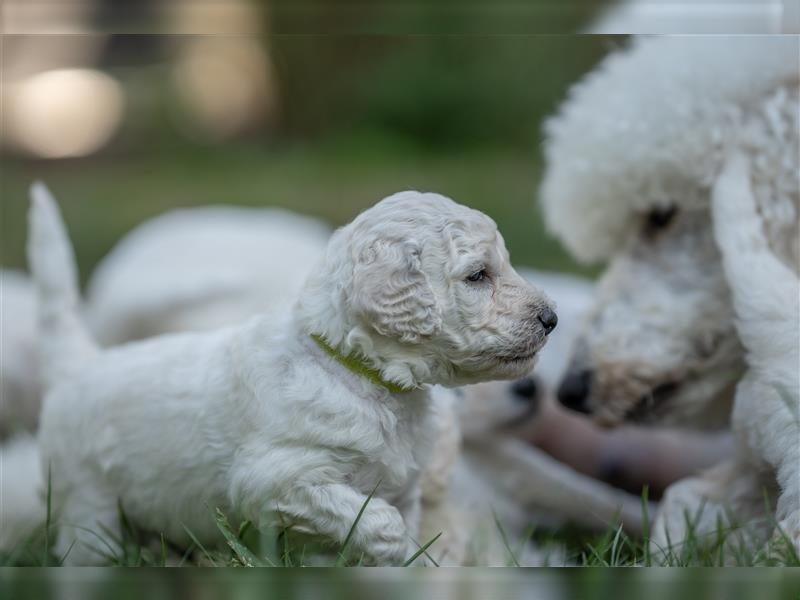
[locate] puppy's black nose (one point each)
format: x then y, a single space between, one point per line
574 390
525 389
548 319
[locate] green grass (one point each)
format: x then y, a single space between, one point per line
103 198
245 546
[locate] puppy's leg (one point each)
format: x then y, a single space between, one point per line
88 528
329 510
410 507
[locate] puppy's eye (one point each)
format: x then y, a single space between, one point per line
477 276
660 218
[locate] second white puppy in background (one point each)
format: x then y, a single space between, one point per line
201 268
277 421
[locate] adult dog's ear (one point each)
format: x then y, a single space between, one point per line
391 292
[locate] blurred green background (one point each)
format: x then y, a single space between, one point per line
323 110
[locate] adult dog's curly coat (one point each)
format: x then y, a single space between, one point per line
258 419
634 158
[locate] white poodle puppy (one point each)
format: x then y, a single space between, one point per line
766 412
19 372
289 421
138 290
632 157
201 268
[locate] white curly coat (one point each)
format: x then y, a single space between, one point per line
652 132
766 412
258 420
649 131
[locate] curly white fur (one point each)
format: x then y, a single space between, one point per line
258 420
668 123
649 130
651 126
766 415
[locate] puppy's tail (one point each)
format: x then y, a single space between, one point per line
64 341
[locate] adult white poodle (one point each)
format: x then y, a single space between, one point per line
633 157
766 413
289 421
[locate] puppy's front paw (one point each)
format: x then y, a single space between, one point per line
387 553
384 539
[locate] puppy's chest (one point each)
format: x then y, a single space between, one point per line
405 428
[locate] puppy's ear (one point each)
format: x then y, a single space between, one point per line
392 293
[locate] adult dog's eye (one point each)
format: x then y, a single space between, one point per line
660 218
477 276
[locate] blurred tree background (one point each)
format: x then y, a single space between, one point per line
320 107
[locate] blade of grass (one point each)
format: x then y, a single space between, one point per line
243 528
66 554
422 550
646 526
615 547
243 554
526 537
198 544
430 558
346 545
47 522
504 538
187 554
163 550
286 557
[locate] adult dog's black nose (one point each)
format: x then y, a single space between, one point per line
574 390
548 319
525 389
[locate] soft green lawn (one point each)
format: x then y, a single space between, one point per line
105 197
244 546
